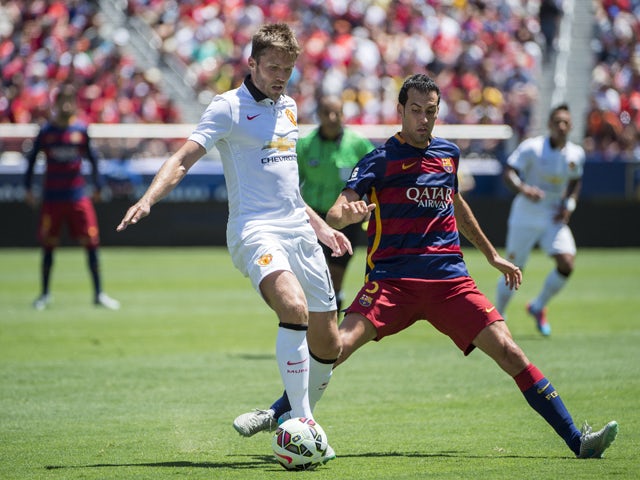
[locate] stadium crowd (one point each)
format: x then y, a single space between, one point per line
44 43
613 121
485 55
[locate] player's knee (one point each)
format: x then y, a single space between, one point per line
565 266
329 347
334 349
291 311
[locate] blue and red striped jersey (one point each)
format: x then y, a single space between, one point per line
64 149
412 232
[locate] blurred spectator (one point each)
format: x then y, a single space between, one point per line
550 15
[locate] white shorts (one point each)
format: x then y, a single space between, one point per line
264 252
554 238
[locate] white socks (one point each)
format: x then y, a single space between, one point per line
552 285
292 355
319 376
503 296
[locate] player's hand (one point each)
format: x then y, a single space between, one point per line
562 216
134 215
534 194
336 241
512 274
356 212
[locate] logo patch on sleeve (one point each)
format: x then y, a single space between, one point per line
265 260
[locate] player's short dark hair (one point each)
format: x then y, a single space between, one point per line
275 35
422 83
560 107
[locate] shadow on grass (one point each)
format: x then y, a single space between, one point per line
255 461
265 461
254 356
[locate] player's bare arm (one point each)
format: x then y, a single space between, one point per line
347 209
570 201
470 228
169 175
332 238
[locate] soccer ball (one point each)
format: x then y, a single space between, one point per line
299 444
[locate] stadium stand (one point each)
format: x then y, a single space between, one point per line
613 120
46 42
485 55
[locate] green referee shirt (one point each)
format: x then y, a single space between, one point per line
325 165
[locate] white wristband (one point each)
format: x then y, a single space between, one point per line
570 204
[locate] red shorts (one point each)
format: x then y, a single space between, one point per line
455 307
79 216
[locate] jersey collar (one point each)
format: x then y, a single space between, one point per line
257 95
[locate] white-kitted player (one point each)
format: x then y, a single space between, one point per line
546 173
272 234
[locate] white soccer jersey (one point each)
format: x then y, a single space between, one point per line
538 164
257 144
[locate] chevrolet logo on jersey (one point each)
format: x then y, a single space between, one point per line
554 180
282 144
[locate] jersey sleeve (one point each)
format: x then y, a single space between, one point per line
520 157
215 123
365 173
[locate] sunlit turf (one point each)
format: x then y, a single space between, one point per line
150 391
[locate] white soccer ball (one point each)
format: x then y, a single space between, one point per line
299 444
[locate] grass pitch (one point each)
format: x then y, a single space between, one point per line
150 391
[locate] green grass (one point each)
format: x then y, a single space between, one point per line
150 391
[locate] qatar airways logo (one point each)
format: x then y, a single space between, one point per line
431 197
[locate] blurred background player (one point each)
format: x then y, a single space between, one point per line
326 157
546 173
64 201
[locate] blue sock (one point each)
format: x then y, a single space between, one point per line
281 406
545 400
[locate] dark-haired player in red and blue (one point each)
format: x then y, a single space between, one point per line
415 268
64 202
